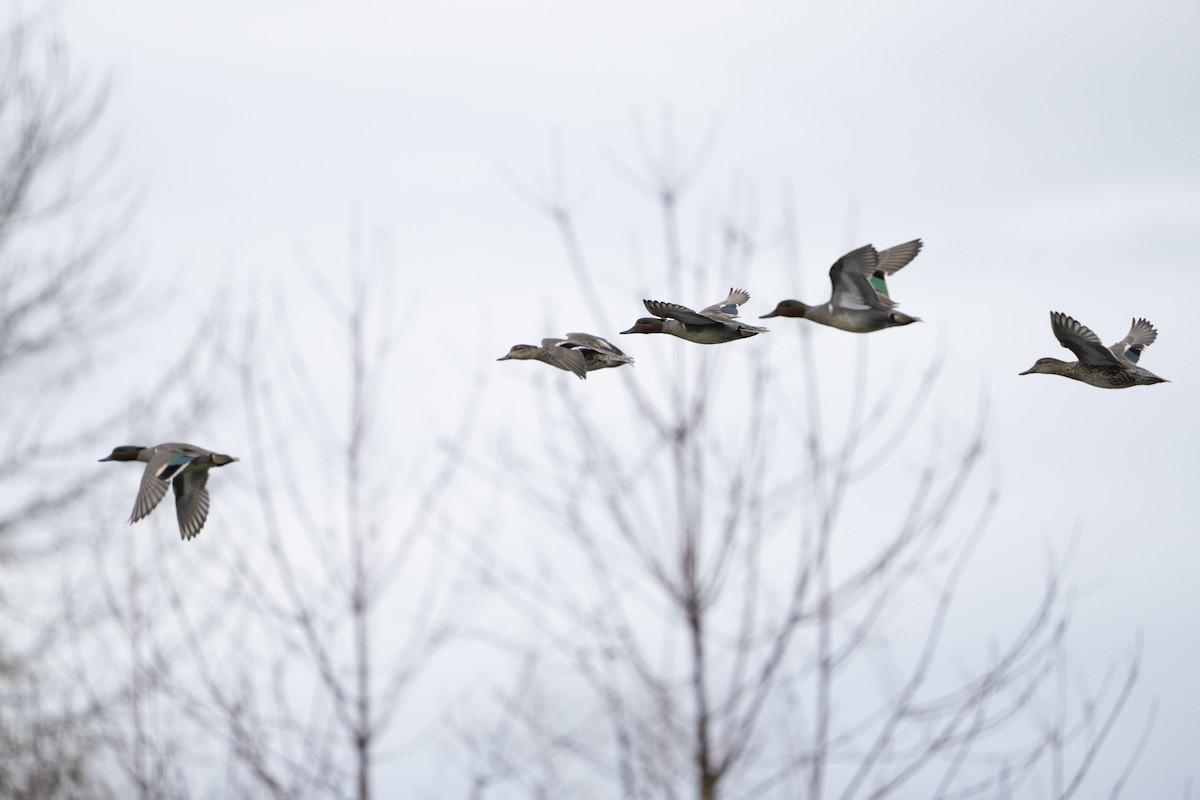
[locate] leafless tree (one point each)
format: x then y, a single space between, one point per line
752 582
59 277
60 284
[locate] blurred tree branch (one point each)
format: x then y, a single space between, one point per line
60 285
60 288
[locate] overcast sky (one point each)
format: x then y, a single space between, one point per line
1047 153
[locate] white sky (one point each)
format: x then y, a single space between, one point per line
1045 151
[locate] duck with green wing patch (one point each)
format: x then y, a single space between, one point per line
860 302
182 466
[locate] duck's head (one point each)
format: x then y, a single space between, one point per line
787 308
646 325
1046 366
125 452
519 352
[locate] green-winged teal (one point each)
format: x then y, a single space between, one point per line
713 325
859 302
184 466
579 353
1113 367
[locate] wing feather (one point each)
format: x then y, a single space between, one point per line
1080 340
675 311
191 501
728 306
564 356
152 488
850 279
592 343
896 258
1141 335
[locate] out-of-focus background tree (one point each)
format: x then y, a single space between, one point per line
62 284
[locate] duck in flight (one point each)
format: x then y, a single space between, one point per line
579 353
183 466
1113 367
859 302
713 325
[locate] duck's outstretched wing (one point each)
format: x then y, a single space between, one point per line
892 260
589 342
191 501
726 311
566 357
1141 335
849 278
164 465
675 311
1080 340
729 306
896 258
149 495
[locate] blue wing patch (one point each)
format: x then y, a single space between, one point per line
172 467
1134 353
